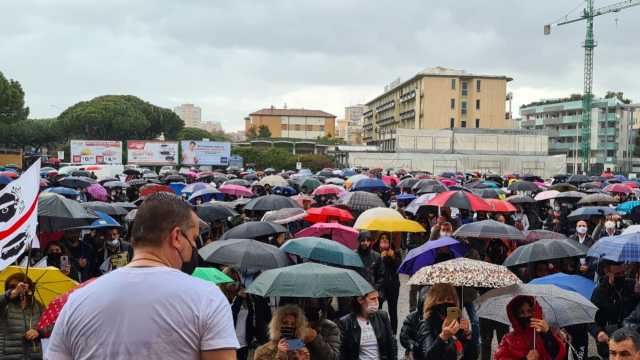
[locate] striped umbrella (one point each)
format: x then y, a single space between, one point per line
621 248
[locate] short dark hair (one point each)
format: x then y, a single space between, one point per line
363 235
626 333
157 216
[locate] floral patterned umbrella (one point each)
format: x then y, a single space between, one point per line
465 272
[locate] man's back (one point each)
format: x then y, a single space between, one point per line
143 313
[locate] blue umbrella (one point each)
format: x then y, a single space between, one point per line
584 213
425 254
207 194
103 222
371 184
405 197
284 190
177 187
4 180
626 207
348 172
575 283
620 178
620 248
322 250
64 191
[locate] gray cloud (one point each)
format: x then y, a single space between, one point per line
233 57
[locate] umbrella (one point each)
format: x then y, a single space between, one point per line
273 181
631 184
124 205
310 280
355 178
322 250
425 254
546 195
254 229
270 202
64 191
244 254
76 182
535 235
563 187
570 195
460 200
389 224
591 185
328 189
4 180
284 190
390 180
9 174
284 216
195 187
205 194
326 213
235 190
49 282
50 314
370 184
137 182
407 183
578 179
107 208
617 188
560 307
345 235
620 248
587 212
103 222
631 229
239 182
303 200
174 178
429 186
335 181
131 171
405 197
56 213
149 189
376 213
309 183
115 184
502 206
575 283
543 250
416 204
465 272
603 199
520 199
97 192
489 193
520 185
213 213
628 206
489 229
360 200
211 275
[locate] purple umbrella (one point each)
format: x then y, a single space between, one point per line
425 254
97 192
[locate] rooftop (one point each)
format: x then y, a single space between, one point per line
293 112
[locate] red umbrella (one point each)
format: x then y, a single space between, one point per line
448 182
460 200
149 189
345 235
328 189
618 188
10 174
501 206
326 214
390 180
51 313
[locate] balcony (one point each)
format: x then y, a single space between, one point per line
386 106
408 96
569 132
409 114
552 121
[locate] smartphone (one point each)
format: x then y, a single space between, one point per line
583 261
64 261
453 313
295 344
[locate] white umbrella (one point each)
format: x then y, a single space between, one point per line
546 195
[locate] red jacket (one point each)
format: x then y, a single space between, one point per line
517 344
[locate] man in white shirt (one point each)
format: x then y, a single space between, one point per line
150 309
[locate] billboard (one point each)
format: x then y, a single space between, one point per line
205 152
90 152
144 152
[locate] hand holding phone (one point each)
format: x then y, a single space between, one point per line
294 344
453 313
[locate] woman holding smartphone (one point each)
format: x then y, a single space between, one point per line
442 333
288 334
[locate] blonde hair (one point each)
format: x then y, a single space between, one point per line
281 313
437 294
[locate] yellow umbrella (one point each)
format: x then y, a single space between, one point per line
388 224
49 282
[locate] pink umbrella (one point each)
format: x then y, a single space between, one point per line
304 200
448 182
97 192
390 180
191 174
540 185
236 190
328 190
345 235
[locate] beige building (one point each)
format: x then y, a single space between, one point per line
190 114
436 98
341 129
211 126
293 123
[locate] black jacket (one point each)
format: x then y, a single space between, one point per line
613 305
386 273
588 240
259 315
369 259
409 331
432 347
633 320
350 336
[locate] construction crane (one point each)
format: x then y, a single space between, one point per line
589 44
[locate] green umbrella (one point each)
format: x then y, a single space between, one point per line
212 275
310 280
309 183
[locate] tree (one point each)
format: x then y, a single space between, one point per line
190 133
264 132
251 133
281 159
12 109
618 95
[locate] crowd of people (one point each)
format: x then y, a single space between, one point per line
144 228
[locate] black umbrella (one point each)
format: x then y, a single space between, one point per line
219 180
271 202
107 208
251 177
83 173
360 200
544 250
587 212
57 213
489 229
603 199
591 185
125 205
570 195
488 193
245 255
520 199
241 182
131 171
106 180
428 186
578 179
254 229
174 178
520 185
531 177
115 184
76 182
407 183
535 235
212 213
137 182
563 187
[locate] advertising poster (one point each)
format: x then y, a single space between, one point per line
92 152
144 152
205 152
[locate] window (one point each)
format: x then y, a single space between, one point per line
465 88
453 104
321 127
463 106
298 127
611 153
463 124
284 126
309 127
477 85
452 122
477 123
453 84
477 104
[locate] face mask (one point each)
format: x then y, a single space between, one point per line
384 247
189 266
312 313
287 332
114 242
373 307
446 234
525 322
618 282
441 309
609 225
53 259
581 230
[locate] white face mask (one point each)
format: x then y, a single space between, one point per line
581 230
373 307
609 225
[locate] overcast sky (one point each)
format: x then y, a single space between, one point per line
235 57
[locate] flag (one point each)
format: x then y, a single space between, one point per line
19 215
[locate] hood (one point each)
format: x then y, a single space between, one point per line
537 312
